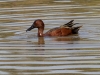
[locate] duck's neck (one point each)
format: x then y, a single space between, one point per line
40 32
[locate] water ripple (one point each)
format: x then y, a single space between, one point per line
24 53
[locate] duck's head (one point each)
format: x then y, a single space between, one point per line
36 24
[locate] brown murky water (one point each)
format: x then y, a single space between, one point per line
24 53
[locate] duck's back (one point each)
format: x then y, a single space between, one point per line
58 31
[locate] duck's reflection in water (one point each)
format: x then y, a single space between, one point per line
69 39
41 41
72 39
43 44
40 45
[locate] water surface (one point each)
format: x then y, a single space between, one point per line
24 53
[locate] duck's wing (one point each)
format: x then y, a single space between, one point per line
58 31
69 24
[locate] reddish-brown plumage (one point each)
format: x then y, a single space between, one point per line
58 31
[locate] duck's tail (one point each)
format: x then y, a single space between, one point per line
76 29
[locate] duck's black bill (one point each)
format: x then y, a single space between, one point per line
29 29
